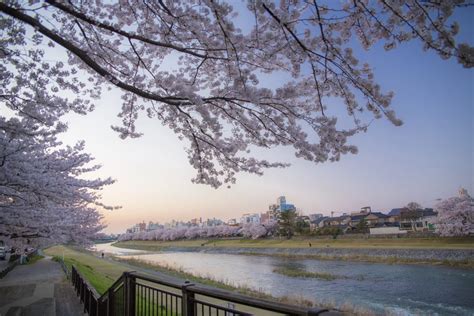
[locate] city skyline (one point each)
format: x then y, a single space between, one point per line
238 216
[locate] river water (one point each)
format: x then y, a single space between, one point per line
383 288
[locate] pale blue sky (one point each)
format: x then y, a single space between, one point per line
429 157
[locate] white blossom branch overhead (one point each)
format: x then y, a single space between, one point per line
211 94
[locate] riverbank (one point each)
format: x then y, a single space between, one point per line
102 273
458 252
372 243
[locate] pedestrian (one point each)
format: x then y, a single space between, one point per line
102 255
309 244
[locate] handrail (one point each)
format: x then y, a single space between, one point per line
145 277
233 297
128 297
113 286
253 302
92 289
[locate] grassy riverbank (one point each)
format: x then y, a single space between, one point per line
99 272
371 243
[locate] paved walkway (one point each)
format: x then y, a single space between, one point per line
38 289
4 263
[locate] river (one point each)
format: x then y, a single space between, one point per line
383 288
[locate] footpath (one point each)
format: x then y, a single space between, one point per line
38 289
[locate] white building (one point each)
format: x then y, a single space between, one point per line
250 218
232 222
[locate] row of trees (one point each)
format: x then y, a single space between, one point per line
253 231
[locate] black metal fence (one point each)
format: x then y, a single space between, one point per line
137 294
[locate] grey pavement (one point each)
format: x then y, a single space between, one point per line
38 289
4 263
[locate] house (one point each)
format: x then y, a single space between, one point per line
375 218
355 219
318 223
337 221
394 215
418 220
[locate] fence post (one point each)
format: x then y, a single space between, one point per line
130 295
110 304
81 287
89 308
187 301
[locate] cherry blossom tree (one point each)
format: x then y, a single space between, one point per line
188 64
456 215
254 231
250 230
44 195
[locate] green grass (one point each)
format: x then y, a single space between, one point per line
372 243
100 273
300 273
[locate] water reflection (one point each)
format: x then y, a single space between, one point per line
109 249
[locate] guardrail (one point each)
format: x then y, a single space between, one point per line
137 294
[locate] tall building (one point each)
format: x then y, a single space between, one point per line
282 206
281 200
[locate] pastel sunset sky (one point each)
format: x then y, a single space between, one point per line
427 158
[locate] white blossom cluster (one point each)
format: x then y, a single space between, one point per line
456 216
253 231
45 194
189 65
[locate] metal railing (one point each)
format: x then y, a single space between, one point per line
137 294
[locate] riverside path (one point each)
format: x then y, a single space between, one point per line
38 289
